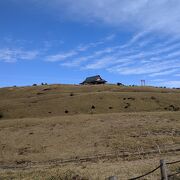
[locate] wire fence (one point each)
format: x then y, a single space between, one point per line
164 171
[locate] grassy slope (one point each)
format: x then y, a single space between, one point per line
47 101
38 135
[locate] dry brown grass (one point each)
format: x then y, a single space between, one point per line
55 100
94 171
34 130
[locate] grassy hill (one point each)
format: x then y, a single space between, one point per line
55 100
58 131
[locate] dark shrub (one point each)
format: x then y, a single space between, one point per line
93 107
40 93
120 84
34 84
131 98
47 89
71 94
110 107
66 111
127 105
1 115
172 108
153 98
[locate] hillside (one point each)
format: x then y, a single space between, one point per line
55 100
51 132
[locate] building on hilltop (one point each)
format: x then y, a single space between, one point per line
94 80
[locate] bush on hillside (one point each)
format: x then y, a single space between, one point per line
66 111
43 84
1 115
71 94
120 84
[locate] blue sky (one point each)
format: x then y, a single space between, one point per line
64 41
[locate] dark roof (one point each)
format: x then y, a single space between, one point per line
92 79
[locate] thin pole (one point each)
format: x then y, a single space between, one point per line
164 175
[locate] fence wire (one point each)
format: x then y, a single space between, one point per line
173 162
145 174
174 174
171 175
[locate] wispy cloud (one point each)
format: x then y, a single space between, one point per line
79 49
61 56
143 54
158 15
12 55
162 73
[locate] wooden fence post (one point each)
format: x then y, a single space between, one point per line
164 175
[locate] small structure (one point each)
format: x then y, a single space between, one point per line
143 82
94 80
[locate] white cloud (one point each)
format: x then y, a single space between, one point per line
166 72
79 49
159 15
12 55
141 55
61 56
